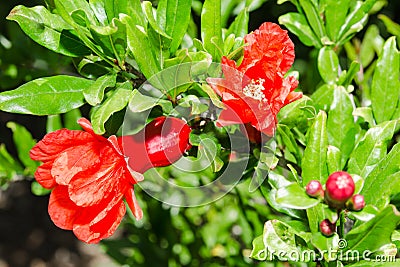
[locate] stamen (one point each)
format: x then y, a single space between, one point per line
255 90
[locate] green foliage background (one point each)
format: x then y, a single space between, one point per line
221 234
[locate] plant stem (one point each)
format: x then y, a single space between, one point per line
342 221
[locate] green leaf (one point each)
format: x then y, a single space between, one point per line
48 30
8 166
45 96
39 190
294 197
132 8
385 88
355 20
298 25
71 119
366 114
391 26
297 114
328 64
366 214
335 15
323 96
140 46
313 17
94 94
116 102
211 31
340 125
24 142
371 149
372 42
239 26
375 233
314 161
289 141
53 123
140 103
212 95
384 180
351 73
277 237
112 39
324 244
173 17
209 150
333 159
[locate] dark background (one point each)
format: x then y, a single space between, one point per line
27 236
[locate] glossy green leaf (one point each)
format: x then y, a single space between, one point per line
314 160
313 17
94 94
294 197
289 141
53 123
209 150
297 114
24 142
48 30
333 159
45 96
375 233
383 180
366 114
328 64
355 19
173 17
372 148
140 102
114 103
335 15
132 8
139 45
371 45
239 26
211 29
366 214
340 124
71 119
385 88
39 190
9 167
323 96
298 25
351 73
324 244
277 236
391 26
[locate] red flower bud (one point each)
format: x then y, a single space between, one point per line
356 202
327 228
314 189
160 143
339 188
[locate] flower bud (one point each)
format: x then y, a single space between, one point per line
314 189
339 188
356 202
327 228
160 143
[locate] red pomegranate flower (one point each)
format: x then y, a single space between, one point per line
255 91
90 178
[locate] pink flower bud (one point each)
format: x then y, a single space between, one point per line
356 202
314 189
339 188
327 228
